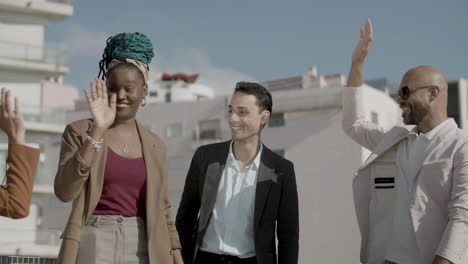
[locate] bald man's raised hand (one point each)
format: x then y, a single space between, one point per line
365 42
359 54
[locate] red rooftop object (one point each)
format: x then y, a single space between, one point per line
187 78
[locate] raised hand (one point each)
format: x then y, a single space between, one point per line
359 54
365 42
101 107
11 120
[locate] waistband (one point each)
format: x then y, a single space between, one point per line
96 220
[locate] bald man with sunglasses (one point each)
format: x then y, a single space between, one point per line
411 194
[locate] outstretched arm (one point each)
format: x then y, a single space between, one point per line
76 157
15 198
355 123
453 246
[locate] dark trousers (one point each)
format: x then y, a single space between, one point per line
210 258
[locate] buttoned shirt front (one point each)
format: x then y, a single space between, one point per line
402 247
230 230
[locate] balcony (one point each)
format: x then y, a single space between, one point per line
55 117
44 120
55 10
19 56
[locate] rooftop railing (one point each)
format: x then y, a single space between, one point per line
42 54
27 259
33 113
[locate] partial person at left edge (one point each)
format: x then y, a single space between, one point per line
16 190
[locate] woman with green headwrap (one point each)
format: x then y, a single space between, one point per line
114 169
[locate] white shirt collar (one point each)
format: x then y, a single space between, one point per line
255 163
433 132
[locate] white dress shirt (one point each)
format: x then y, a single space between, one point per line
231 227
402 247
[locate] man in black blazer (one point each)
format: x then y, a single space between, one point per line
238 194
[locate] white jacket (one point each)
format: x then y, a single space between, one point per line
439 195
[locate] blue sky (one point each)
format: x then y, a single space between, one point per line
228 41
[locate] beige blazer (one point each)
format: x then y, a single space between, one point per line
439 195
82 183
15 197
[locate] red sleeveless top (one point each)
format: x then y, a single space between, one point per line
124 190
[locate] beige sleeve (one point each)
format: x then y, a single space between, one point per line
15 198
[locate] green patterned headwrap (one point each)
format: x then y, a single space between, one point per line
136 46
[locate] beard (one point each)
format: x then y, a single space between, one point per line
417 113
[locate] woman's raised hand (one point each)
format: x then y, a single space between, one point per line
102 108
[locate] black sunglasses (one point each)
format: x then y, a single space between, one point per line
405 91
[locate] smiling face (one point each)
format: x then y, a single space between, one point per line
417 105
127 83
245 117
415 108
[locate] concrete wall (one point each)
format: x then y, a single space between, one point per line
55 95
15 76
22 41
324 160
29 95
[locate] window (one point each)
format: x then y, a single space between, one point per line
174 130
168 98
153 94
375 117
209 129
276 120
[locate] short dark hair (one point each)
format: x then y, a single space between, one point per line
263 96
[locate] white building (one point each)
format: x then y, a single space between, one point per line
34 71
178 87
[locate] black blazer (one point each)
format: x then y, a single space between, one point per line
276 204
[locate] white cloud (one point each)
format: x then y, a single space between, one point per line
191 61
82 41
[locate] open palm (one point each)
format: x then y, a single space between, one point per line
365 42
11 120
102 109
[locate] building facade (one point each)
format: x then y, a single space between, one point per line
33 70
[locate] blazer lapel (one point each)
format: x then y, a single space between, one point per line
214 172
397 134
154 165
266 175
